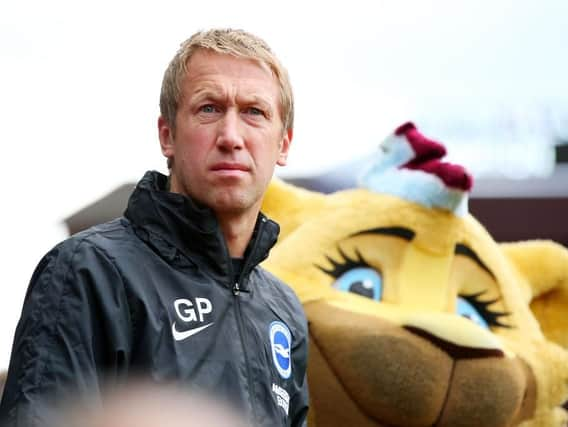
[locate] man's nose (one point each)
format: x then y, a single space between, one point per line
229 134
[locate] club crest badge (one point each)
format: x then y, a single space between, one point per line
281 345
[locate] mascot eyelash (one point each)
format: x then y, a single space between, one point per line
482 307
345 264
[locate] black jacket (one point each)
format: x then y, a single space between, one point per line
153 293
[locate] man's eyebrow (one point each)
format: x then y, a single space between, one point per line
209 92
216 94
461 249
255 99
402 232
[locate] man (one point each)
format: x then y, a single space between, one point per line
173 291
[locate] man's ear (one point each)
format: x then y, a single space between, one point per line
284 147
165 133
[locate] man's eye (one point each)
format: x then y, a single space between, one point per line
254 111
208 108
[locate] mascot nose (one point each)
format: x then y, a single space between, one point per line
457 336
455 351
418 370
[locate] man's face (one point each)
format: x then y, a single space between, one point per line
228 133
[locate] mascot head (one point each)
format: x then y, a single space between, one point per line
417 316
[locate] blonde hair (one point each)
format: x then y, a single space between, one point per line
231 42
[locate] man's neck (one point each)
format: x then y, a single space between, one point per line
237 232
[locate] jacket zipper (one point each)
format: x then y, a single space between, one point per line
236 292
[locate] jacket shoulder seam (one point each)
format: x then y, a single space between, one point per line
51 331
65 289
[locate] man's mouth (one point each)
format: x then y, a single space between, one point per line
229 169
230 166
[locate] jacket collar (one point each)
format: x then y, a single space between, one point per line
172 220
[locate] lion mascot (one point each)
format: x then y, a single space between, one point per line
417 317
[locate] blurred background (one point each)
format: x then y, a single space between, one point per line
79 87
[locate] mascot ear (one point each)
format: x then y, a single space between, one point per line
289 206
545 266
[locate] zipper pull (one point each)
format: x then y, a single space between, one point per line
236 289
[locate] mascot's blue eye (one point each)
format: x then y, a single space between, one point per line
361 281
354 274
466 309
478 310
